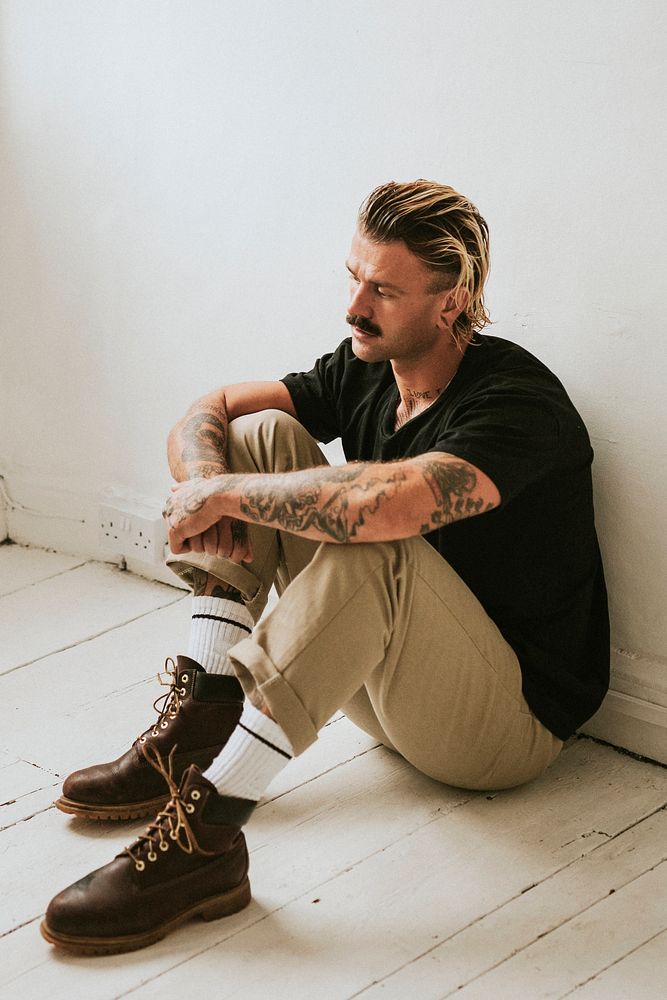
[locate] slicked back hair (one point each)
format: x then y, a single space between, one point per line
445 231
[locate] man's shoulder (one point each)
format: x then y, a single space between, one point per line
490 358
511 377
499 350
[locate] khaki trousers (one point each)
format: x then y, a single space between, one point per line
385 631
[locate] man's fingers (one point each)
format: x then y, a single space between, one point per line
227 538
196 543
249 555
210 540
242 550
177 544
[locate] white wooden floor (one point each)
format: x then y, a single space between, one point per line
369 879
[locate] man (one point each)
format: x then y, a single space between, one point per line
444 588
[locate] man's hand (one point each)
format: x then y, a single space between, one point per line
195 524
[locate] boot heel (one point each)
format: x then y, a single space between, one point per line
233 901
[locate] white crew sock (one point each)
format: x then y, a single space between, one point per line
217 625
255 753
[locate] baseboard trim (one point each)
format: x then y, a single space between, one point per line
66 520
631 723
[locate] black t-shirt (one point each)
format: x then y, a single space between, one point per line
533 562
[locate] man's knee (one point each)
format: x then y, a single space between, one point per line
271 441
264 421
396 552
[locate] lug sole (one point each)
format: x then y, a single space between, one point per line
126 810
224 905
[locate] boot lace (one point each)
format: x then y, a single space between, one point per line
171 825
168 704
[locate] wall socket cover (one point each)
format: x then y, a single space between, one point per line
126 532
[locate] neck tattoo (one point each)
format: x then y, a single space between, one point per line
415 401
416 394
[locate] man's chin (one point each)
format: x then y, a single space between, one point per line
366 346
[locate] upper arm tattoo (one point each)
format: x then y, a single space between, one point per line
204 438
453 485
298 507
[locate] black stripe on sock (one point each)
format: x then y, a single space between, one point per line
227 621
266 742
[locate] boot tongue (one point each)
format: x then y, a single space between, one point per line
193 778
185 663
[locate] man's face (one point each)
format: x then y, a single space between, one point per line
392 314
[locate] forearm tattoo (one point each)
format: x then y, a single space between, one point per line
453 486
338 513
204 438
337 502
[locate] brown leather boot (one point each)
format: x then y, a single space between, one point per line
191 861
197 717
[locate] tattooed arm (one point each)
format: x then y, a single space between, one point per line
197 445
197 448
359 502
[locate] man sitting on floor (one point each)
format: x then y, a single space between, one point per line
444 588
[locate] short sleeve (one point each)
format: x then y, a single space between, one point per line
516 434
314 395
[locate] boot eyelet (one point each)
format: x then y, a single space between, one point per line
155 733
152 856
139 865
182 691
195 794
142 739
164 846
184 679
172 715
172 835
189 808
163 725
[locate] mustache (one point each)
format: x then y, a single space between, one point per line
363 324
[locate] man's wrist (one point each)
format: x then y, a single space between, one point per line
205 470
218 488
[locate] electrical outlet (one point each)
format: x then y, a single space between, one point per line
127 533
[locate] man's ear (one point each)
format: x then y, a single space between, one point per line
454 303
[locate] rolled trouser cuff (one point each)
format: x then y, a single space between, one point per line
261 681
234 574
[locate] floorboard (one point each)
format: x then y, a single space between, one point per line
589 943
82 705
641 975
486 943
21 567
59 612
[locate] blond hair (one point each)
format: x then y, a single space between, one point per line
445 231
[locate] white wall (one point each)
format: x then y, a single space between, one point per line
180 180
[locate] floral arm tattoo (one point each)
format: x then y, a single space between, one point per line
359 502
337 502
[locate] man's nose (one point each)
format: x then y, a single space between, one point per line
360 303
